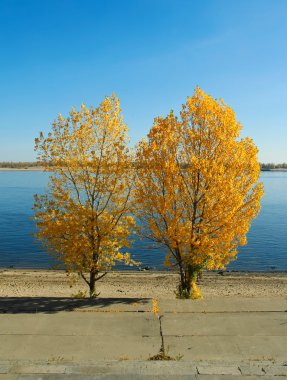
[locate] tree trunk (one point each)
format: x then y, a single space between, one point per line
182 291
185 283
187 287
92 283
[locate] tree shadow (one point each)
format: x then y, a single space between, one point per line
16 305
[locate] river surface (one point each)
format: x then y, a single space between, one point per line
267 239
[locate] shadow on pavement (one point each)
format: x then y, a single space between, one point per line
14 305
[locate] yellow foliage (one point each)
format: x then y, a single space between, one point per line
195 294
197 185
155 307
85 219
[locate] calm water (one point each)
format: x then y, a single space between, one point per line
267 238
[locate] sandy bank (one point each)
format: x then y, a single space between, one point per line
48 283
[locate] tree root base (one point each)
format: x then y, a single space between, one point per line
161 356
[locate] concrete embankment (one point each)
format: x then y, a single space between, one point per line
114 338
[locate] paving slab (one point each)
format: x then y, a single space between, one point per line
135 369
224 304
77 348
108 377
40 369
10 305
218 370
80 324
139 367
249 370
79 336
5 368
226 324
230 348
276 370
235 377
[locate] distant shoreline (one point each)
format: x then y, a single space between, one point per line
28 169
274 170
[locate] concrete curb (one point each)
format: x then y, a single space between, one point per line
142 369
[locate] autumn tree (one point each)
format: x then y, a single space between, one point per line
197 187
85 218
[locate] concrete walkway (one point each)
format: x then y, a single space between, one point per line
113 338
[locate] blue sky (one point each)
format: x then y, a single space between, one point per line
152 53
